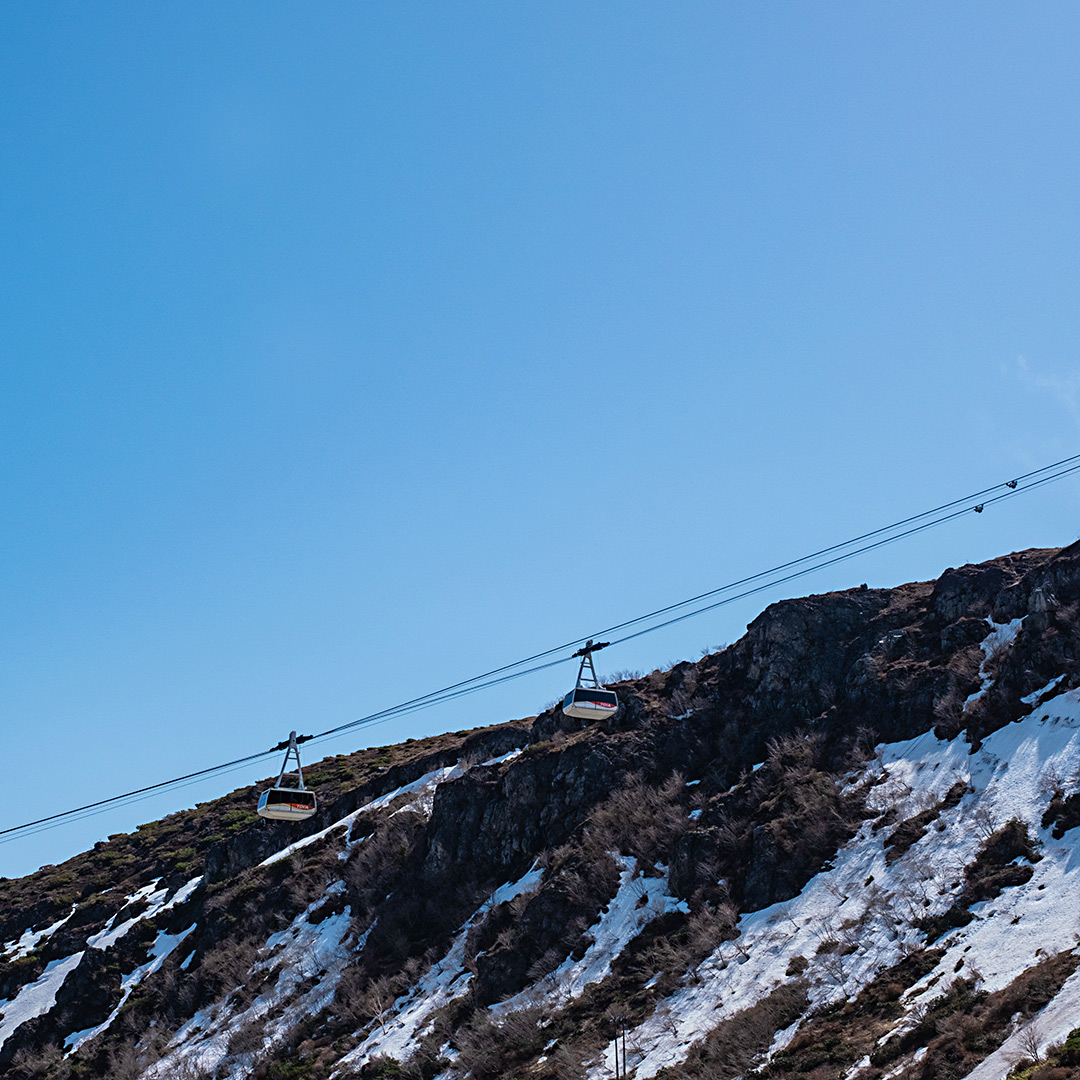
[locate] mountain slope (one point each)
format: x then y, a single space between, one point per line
845 844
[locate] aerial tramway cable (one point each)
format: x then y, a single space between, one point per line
765 579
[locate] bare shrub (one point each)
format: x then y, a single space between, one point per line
246 1039
949 712
984 822
728 834
227 968
639 820
964 1025
364 1000
1030 1040
567 1064
793 754
127 1062
731 1047
377 862
35 1064
685 702
188 1070
622 675
708 927
797 817
489 1047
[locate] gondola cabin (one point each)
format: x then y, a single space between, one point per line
589 700
286 804
588 703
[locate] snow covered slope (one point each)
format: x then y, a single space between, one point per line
877 905
847 845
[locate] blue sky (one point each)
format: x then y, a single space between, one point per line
348 350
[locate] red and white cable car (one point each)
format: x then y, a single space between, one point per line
284 803
589 700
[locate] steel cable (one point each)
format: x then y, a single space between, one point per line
885 535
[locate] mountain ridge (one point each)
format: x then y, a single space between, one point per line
547 863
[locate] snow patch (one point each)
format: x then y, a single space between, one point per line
1013 774
36 998
154 897
309 959
306 841
637 902
183 893
1001 636
1036 696
30 939
163 946
397 1034
508 756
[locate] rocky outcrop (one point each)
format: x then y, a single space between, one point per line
890 661
725 774
230 857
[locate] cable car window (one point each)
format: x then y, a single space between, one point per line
602 697
285 796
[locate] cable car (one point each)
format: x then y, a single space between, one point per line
589 700
284 803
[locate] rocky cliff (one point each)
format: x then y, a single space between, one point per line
844 845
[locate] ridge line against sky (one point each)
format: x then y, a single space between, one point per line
763 581
339 344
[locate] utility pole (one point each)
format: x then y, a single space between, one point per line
620 1029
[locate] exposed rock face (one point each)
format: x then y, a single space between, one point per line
883 660
226 859
497 821
725 779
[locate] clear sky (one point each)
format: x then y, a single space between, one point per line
349 349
